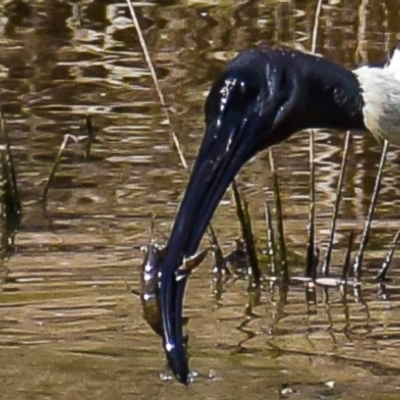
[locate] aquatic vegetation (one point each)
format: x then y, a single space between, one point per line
281 244
242 211
11 205
335 211
56 164
11 209
365 235
240 262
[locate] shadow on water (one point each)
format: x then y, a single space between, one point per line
69 325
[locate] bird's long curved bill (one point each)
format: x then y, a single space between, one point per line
222 154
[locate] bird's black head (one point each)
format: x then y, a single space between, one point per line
244 114
261 98
248 104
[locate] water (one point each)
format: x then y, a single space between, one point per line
69 325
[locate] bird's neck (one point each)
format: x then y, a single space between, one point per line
381 93
331 96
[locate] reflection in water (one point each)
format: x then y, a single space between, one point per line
68 324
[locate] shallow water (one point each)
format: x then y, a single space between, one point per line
69 325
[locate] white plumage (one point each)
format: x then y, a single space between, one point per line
381 93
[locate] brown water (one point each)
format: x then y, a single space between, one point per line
69 326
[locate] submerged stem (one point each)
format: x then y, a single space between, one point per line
247 233
310 264
346 264
284 271
11 199
155 81
55 166
335 213
388 259
271 246
365 235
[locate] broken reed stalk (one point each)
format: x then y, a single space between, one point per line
4 236
10 203
220 270
159 93
310 259
11 209
217 251
6 210
365 235
55 165
310 264
155 81
242 212
284 271
316 25
11 199
381 276
271 246
335 212
90 135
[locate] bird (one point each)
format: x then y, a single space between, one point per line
261 98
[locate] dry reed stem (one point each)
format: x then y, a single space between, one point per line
242 212
310 265
283 270
316 26
155 81
365 235
55 165
11 195
175 139
388 259
271 245
325 267
346 265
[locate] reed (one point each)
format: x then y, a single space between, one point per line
271 245
11 198
347 259
310 264
335 212
11 208
311 268
156 83
243 215
381 276
160 95
365 235
55 165
283 267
